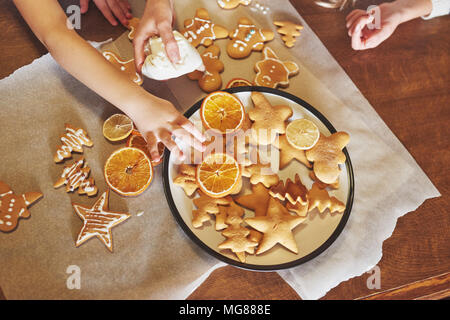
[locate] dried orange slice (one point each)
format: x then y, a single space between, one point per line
302 134
128 171
238 82
136 140
218 175
222 112
117 127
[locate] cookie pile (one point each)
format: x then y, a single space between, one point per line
278 206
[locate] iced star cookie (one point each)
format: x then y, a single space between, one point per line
13 207
98 221
289 31
72 141
231 4
126 66
76 176
247 38
209 80
272 72
200 30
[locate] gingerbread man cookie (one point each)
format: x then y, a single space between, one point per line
13 207
247 38
231 4
272 72
72 141
289 30
200 30
327 155
133 24
75 176
209 80
127 66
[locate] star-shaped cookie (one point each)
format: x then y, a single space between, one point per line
257 201
98 221
268 120
276 226
289 153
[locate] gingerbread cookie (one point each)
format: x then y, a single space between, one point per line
257 200
272 72
206 206
72 141
126 66
289 30
225 212
13 207
247 38
277 226
238 82
294 192
260 173
133 24
201 30
231 4
299 208
320 199
289 153
268 120
238 240
327 155
322 185
186 179
98 221
75 176
209 80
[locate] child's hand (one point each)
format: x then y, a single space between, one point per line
157 20
158 120
365 38
121 9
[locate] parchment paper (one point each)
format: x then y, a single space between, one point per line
152 257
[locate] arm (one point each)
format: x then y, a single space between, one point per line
391 15
155 118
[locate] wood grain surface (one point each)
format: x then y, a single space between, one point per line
406 79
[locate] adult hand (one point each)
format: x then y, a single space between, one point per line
157 20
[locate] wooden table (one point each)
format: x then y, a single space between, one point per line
406 80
